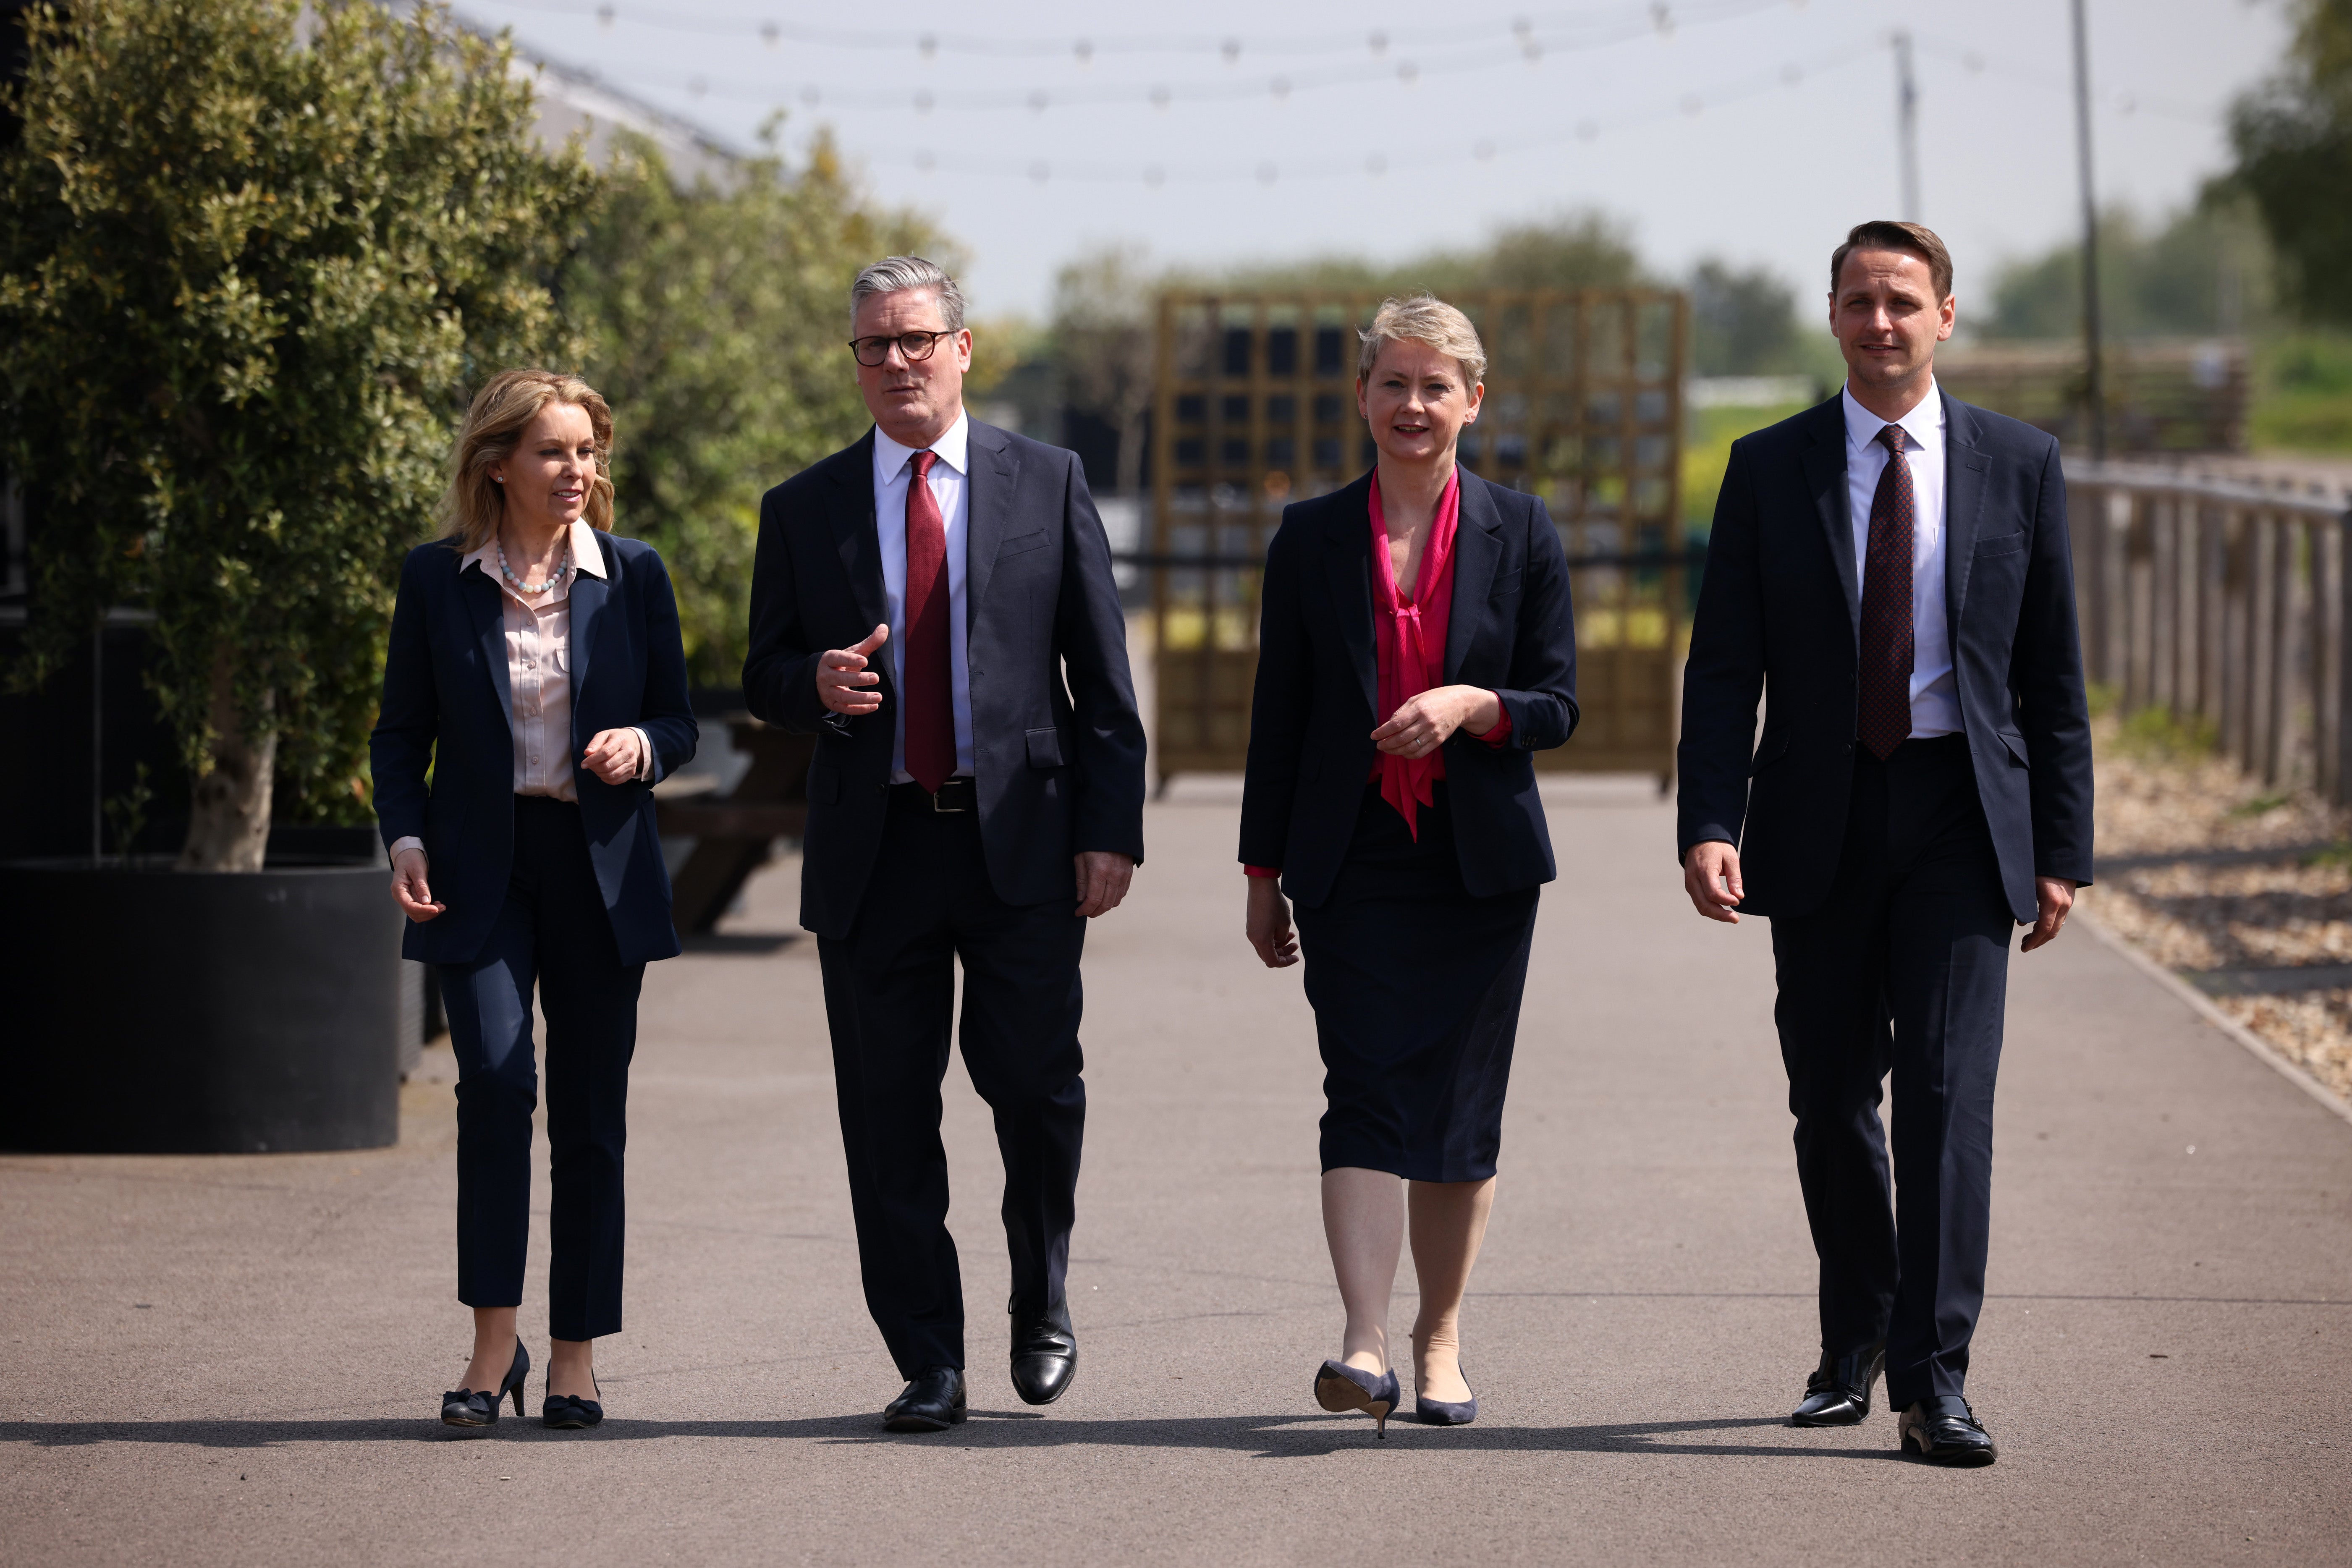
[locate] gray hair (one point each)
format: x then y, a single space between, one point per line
894 273
1425 318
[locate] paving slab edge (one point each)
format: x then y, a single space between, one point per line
2202 1006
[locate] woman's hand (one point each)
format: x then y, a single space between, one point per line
1267 923
409 888
614 755
1425 722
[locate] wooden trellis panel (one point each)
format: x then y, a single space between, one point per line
1256 407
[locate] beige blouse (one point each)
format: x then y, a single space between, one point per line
539 675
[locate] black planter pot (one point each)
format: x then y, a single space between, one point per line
154 1011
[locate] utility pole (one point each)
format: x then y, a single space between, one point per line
2095 377
1906 120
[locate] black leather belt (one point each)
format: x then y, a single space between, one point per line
958 793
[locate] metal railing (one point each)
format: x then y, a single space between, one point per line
2223 603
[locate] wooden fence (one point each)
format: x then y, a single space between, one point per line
2223 603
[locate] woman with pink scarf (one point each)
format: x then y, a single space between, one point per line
1416 647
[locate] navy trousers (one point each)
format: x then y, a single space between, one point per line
890 996
1906 968
552 934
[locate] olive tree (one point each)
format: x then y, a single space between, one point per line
253 255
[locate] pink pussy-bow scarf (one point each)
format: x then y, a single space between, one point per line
1411 639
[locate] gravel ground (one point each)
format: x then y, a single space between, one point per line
2162 795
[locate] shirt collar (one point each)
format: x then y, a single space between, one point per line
1924 424
587 551
889 456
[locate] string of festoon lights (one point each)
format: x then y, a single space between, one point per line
1528 31
1374 164
1520 41
1525 40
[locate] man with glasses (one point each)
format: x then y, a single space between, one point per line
935 604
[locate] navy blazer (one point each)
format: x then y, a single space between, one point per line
1511 629
1782 607
446 701
1057 742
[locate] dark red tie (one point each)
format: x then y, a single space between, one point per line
929 696
1885 721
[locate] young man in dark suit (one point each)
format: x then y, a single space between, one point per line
935 604
1893 566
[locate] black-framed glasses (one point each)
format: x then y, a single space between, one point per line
914 347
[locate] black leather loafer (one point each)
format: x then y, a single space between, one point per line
1045 1360
1945 1431
1838 1393
933 1402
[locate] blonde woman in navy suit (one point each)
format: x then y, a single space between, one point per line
535 668
1416 648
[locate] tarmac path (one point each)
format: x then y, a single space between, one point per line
237 1360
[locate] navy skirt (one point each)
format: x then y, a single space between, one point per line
1415 985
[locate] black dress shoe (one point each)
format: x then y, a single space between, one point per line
1838 1393
933 1402
1945 1431
1045 1359
479 1407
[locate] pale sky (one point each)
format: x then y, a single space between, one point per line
1758 129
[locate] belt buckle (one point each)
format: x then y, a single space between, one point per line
942 794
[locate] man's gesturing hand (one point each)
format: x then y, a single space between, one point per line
1103 876
1711 877
2055 895
843 684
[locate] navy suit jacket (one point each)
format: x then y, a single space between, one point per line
1058 743
446 701
1511 629
1780 612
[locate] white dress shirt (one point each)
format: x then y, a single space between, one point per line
1935 698
950 484
539 675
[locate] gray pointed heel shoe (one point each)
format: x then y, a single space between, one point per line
1341 1387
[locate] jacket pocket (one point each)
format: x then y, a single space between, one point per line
1508 584
1037 541
1770 752
1045 746
2007 544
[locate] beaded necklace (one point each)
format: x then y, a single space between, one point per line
562 570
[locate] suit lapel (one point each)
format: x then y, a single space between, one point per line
588 595
987 510
1347 533
483 602
1824 460
1478 550
1964 488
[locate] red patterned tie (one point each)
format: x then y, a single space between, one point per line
930 695
1885 720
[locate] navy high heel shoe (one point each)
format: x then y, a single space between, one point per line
570 1413
1340 1387
1441 1412
479 1407
1444 1412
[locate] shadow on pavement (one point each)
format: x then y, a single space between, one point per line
1265 1436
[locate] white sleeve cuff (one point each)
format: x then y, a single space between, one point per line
644 754
401 846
